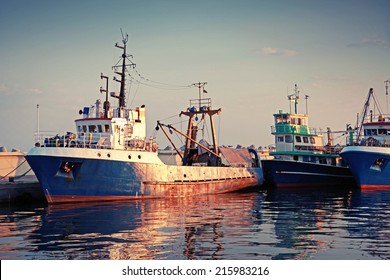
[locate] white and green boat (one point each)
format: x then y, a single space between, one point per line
300 158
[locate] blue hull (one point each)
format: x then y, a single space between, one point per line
369 165
96 178
85 179
295 174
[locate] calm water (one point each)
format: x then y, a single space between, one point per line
288 224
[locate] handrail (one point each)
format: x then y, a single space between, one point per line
93 140
288 129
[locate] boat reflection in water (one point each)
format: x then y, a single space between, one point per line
330 224
270 224
179 228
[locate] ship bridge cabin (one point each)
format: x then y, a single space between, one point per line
121 129
292 134
376 132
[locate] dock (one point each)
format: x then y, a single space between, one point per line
25 189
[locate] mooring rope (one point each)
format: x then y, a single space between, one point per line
5 176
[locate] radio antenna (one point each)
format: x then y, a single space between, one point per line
124 40
387 94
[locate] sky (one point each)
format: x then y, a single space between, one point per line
250 53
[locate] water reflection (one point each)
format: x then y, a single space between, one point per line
187 228
270 224
330 224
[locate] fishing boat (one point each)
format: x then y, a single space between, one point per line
300 158
110 158
368 156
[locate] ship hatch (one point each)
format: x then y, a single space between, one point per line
68 169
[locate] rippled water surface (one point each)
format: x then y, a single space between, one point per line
277 224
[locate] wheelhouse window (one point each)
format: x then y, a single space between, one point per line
106 128
288 139
92 128
280 139
312 140
282 119
298 139
305 140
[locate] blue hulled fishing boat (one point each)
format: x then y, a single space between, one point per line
110 157
369 156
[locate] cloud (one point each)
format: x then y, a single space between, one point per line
369 43
278 52
13 89
36 91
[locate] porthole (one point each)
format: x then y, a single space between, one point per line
129 156
99 154
185 175
108 155
139 156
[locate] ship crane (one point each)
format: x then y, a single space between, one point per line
365 111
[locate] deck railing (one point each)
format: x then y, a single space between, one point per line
289 129
94 141
200 104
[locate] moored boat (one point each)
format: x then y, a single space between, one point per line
300 158
368 156
12 164
110 157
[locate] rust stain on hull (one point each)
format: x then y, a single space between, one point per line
163 190
157 189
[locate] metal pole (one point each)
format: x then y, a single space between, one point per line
387 95
38 136
200 85
169 139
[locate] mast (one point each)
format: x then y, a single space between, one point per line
38 138
122 73
294 99
387 95
204 107
122 81
106 104
200 85
307 97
